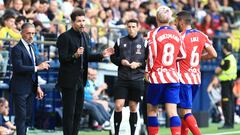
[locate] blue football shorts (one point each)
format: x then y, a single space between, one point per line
163 93
187 94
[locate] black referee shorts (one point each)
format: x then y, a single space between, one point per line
129 90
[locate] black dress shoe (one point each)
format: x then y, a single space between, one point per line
225 127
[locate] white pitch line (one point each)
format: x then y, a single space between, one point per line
225 133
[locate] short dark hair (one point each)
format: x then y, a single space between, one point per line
75 13
43 2
20 18
27 25
185 16
228 47
8 16
132 21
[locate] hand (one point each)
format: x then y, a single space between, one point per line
95 97
218 70
135 65
103 86
125 62
79 52
40 94
43 65
146 77
108 52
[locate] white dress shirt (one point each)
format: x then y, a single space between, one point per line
26 45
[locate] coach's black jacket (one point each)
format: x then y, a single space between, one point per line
131 49
70 73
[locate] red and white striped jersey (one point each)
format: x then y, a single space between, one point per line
164 48
194 41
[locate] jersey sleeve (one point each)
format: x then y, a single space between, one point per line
207 41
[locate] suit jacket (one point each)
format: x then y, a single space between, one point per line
23 71
70 72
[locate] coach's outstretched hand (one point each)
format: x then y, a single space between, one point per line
108 52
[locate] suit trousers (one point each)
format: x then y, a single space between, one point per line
228 105
72 100
23 109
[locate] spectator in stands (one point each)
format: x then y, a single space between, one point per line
5 127
110 18
200 13
214 93
206 26
98 108
41 13
9 28
29 10
17 6
20 20
130 55
98 114
56 17
150 20
187 5
96 92
74 57
227 73
53 11
142 20
225 33
2 8
236 92
5 112
67 8
235 4
123 6
24 81
236 88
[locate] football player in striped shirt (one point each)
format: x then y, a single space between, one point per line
196 43
165 45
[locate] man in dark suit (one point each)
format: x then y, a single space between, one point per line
74 57
24 82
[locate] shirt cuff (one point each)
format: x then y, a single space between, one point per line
35 69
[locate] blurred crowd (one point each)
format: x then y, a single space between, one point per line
106 17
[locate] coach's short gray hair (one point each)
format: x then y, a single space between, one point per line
27 25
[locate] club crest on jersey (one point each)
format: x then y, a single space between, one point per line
138 49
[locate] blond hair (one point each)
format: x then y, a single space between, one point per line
164 14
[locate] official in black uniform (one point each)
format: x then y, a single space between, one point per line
130 55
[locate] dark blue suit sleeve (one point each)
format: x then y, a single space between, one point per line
17 61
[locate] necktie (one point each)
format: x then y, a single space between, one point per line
31 54
82 45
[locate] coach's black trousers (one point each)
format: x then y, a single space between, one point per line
72 100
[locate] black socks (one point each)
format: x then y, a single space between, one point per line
133 122
117 121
